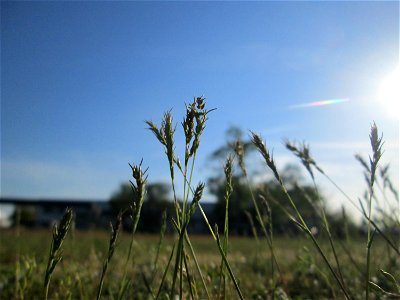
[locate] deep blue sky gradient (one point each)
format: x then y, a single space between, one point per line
78 79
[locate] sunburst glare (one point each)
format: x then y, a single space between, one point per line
389 93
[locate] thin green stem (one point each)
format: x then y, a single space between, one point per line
186 184
369 242
376 227
197 264
181 272
178 261
326 226
191 173
228 192
268 238
308 231
227 265
207 222
216 238
102 280
176 203
165 272
188 275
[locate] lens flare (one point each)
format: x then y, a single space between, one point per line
319 103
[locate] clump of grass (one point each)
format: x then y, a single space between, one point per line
111 248
309 162
139 190
180 249
303 152
28 268
193 127
228 192
269 160
376 144
239 151
370 170
59 233
389 214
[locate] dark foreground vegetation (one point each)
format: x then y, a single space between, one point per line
296 249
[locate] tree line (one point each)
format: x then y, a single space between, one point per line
242 214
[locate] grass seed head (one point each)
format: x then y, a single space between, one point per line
188 127
228 168
303 152
265 202
201 104
376 144
114 235
168 130
384 171
200 118
157 132
268 157
140 176
188 121
165 134
239 151
362 161
60 231
387 183
198 193
139 191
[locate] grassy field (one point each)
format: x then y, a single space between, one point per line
66 264
304 275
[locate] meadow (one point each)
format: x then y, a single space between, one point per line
307 264
78 275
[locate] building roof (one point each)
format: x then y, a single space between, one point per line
52 202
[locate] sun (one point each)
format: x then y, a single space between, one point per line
389 93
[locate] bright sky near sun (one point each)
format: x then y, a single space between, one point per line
78 79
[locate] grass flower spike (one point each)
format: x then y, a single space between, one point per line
59 233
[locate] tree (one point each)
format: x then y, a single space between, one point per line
305 198
156 201
24 216
233 134
302 194
239 203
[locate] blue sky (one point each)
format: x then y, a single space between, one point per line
78 79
